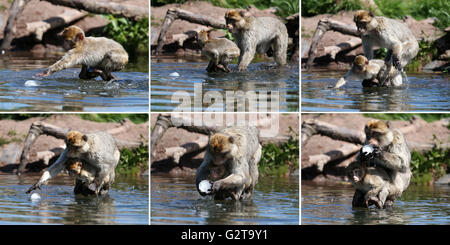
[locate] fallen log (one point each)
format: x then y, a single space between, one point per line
351 44
320 160
105 7
38 28
323 26
8 34
313 126
177 152
181 14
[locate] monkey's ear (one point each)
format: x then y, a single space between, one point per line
388 124
231 139
371 14
85 138
367 62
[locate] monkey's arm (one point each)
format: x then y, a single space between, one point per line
234 180
392 161
51 172
367 47
68 60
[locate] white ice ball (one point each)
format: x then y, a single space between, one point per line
174 74
35 197
367 149
205 186
31 83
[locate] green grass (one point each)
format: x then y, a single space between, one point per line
430 166
135 118
314 7
279 160
20 116
430 117
133 35
133 161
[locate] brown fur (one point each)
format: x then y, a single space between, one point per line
75 138
220 143
377 126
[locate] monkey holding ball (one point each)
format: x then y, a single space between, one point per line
98 56
231 163
257 34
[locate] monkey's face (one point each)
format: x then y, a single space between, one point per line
377 133
74 167
235 20
360 63
221 148
71 36
75 139
202 36
363 19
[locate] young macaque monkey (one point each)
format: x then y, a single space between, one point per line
387 33
372 72
97 150
230 166
85 175
374 182
220 51
98 56
257 34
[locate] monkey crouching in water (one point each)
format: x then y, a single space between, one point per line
220 51
257 34
97 150
98 56
372 72
231 164
374 182
393 156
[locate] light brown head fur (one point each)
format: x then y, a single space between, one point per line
75 138
361 62
74 166
73 34
237 19
203 36
220 143
377 126
363 19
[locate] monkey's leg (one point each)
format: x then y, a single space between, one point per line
100 177
246 56
382 196
280 47
358 199
209 68
86 74
409 51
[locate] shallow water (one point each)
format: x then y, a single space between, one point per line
333 205
21 90
127 203
425 92
176 201
262 78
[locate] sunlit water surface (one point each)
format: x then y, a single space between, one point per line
126 203
332 205
176 201
22 90
425 92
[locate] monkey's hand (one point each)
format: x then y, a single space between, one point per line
217 186
43 74
396 63
34 187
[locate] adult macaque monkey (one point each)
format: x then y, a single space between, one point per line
220 51
386 33
98 56
231 164
393 155
99 150
257 34
372 72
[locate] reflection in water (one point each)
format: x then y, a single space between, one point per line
261 78
176 201
333 205
20 89
428 92
127 202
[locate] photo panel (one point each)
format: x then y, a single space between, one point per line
51 169
224 169
371 169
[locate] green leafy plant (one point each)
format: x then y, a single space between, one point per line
133 35
429 166
133 162
135 118
279 160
